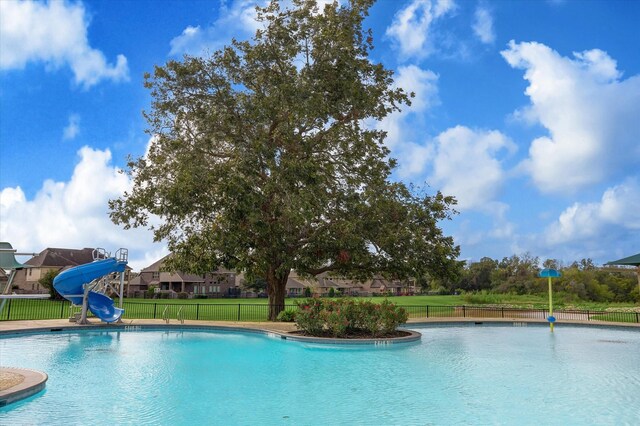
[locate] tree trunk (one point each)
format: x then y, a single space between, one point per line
276 289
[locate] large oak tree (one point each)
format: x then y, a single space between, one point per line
264 159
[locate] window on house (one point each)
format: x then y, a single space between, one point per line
195 289
156 275
210 289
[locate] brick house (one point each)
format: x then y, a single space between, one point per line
50 259
221 283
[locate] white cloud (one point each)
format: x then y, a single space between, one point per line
424 85
465 166
412 25
235 20
464 162
483 25
412 156
54 33
591 115
74 214
72 128
618 210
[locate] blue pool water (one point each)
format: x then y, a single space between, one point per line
455 375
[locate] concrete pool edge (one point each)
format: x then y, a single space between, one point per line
284 331
33 382
278 328
519 322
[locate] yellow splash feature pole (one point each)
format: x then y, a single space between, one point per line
550 273
550 304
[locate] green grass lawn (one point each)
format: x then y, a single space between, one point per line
398 300
256 309
525 301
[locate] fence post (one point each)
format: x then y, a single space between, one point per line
464 312
9 310
637 316
155 306
427 311
238 312
502 309
197 311
588 316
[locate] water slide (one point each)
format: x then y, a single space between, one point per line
70 283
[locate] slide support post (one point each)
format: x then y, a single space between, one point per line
121 288
85 305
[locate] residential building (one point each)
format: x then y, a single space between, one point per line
221 283
50 259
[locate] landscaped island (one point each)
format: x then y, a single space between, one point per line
347 318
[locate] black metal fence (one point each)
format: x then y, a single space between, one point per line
34 309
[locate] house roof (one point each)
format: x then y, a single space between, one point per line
177 276
61 257
295 281
155 267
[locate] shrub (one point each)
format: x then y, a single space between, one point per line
339 318
288 315
307 292
308 317
391 317
47 282
183 295
332 292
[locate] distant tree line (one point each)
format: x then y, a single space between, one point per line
581 280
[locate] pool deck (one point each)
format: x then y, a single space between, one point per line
12 327
19 383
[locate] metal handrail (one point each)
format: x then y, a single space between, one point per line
179 316
165 314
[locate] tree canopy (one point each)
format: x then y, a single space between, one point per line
581 280
264 160
47 282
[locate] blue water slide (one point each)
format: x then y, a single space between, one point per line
69 284
103 307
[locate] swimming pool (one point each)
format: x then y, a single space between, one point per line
455 375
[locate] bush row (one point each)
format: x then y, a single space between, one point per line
346 317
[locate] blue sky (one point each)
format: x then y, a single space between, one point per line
527 111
